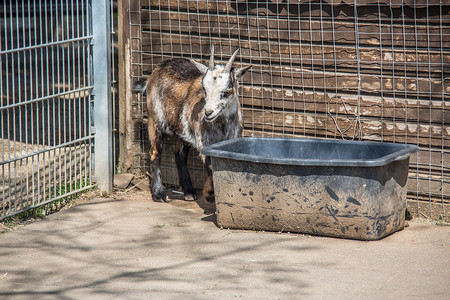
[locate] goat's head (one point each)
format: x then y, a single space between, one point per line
221 86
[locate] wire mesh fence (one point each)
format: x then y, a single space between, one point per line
45 111
362 70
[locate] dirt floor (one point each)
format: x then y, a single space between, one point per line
124 245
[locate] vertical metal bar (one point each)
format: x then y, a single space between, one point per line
70 98
358 116
66 82
394 79
228 25
160 31
271 68
430 191
335 58
405 71
8 96
85 121
324 68
442 165
50 106
405 95
188 28
281 76
418 105
199 28
76 97
140 70
313 72
32 106
11 98
37 107
172 54
3 34
77 82
301 69
50 91
8 99
380 28
55 85
252 88
16 94
87 98
2 31
102 85
113 89
25 108
40 83
113 84
89 118
261 73
3 213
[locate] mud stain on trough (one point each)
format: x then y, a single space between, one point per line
353 200
331 193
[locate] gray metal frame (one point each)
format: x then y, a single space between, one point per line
102 91
50 96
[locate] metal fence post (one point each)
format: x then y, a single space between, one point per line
102 87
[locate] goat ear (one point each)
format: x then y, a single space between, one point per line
202 68
238 73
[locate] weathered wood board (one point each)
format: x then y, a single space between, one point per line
270 9
347 126
328 31
296 57
329 101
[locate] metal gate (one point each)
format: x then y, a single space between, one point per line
51 99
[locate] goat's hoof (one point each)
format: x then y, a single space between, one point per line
190 194
160 197
190 197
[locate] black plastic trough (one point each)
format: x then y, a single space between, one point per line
335 188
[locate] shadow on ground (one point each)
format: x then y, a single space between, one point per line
112 247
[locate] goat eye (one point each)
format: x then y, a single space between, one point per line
226 94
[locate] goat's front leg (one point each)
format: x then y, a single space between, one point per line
181 153
156 141
208 189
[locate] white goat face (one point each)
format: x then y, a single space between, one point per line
220 92
220 85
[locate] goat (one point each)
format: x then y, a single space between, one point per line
199 105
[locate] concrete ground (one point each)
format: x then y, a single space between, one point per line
128 247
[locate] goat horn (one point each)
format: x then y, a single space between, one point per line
230 62
211 58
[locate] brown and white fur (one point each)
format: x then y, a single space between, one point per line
199 105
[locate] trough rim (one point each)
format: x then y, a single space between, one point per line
405 150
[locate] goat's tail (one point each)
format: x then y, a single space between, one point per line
140 86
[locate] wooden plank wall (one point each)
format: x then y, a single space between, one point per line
371 72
